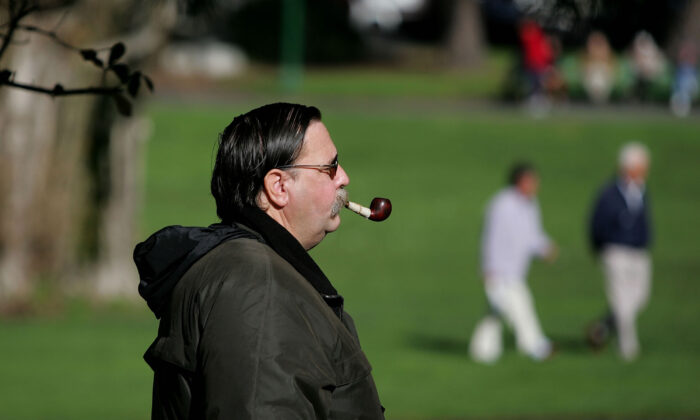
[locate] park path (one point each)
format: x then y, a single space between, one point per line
411 105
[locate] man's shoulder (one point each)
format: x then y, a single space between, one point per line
609 190
250 263
234 261
248 249
248 273
239 273
244 258
504 199
497 197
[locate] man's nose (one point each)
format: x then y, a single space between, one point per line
342 177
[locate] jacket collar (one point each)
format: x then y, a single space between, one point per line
286 246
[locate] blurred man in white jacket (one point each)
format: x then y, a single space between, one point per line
512 236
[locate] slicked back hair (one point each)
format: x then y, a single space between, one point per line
254 143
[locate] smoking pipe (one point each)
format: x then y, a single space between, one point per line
379 209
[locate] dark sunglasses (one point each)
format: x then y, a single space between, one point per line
331 168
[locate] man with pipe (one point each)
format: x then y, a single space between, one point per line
250 327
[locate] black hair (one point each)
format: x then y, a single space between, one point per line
518 170
253 143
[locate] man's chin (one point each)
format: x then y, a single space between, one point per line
333 224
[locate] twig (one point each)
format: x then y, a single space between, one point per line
50 34
24 10
60 21
94 90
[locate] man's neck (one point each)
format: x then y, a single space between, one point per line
627 181
279 216
523 194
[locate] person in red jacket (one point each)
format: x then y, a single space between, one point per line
537 53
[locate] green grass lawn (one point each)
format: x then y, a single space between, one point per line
83 364
387 82
412 282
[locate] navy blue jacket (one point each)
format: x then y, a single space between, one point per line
612 222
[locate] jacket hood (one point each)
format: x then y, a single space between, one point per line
166 255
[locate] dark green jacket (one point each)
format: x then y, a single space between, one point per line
245 336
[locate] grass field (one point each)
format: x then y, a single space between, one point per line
386 82
412 283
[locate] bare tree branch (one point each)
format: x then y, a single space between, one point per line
15 17
60 20
59 91
129 81
50 34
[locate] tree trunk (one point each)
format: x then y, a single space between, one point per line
42 143
70 168
465 39
116 273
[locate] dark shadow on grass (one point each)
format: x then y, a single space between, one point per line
459 346
456 346
570 343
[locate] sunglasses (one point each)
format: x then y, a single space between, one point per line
331 168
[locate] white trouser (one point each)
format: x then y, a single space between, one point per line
512 300
628 282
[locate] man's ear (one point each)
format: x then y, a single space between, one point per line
275 187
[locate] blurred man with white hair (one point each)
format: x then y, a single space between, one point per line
620 234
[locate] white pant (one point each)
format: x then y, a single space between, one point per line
628 282
512 301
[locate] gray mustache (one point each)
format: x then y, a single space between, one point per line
341 198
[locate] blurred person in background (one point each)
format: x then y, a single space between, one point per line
685 82
537 62
649 64
554 82
598 68
511 237
620 234
250 327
